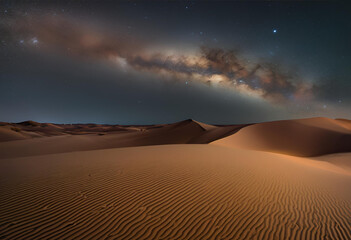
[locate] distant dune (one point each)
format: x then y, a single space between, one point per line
198 181
50 138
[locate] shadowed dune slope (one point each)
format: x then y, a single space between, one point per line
82 137
172 192
8 134
14 132
304 137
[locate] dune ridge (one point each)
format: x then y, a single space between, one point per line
302 137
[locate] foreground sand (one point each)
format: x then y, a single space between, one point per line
174 192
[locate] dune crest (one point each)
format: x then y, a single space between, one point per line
301 137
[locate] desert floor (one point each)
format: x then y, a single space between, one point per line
278 180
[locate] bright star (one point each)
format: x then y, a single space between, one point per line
274 30
34 40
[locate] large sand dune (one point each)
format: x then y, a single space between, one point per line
304 137
173 192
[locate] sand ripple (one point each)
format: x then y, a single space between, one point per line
171 192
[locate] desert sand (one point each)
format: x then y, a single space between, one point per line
39 138
303 137
278 180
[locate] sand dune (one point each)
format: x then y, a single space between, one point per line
344 123
8 134
90 181
172 192
90 137
11 133
304 137
342 160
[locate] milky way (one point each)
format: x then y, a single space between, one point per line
215 67
162 61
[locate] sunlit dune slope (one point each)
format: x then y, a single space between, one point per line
303 137
172 192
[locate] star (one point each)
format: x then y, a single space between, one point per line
275 30
35 40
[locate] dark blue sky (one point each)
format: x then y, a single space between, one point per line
138 62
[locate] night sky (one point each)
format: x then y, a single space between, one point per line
145 62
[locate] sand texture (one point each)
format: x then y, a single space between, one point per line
79 137
304 137
178 191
